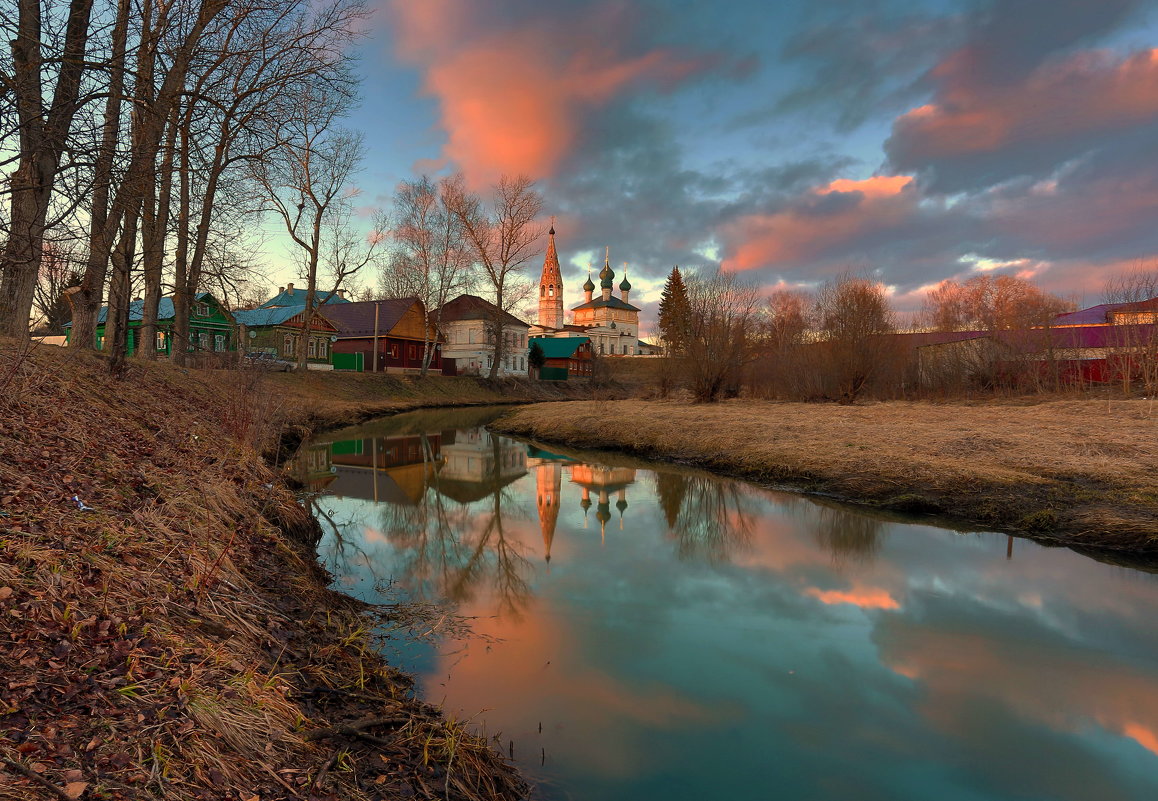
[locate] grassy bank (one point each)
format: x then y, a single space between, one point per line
165 631
1080 472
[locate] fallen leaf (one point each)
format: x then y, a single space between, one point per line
75 789
5 593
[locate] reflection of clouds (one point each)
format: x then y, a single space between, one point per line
729 612
975 661
864 597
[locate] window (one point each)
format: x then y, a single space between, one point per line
394 351
472 335
160 340
203 340
313 348
219 342
411 351
202 309
100 342
287 346
322 348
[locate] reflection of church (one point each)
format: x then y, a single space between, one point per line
602 482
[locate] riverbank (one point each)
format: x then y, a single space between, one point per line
165 630
1080 472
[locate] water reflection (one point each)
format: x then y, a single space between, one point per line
657 634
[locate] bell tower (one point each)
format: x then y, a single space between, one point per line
551 286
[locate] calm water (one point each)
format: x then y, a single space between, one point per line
677 636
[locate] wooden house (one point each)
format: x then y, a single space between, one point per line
277 330
565 357
392 330
211 326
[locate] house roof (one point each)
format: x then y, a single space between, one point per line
1090 316
255 318
472 307
357 319
297 297
1032 340
613 303
165 309
560 347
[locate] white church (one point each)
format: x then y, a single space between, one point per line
611 323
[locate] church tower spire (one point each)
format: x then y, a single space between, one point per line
551 286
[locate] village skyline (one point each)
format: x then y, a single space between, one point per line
894 139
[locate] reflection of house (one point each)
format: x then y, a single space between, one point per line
386 469
277 331
393 328
603 481
478 464
468 323
313 468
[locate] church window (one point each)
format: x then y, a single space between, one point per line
551 291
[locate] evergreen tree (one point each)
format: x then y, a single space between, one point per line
674 312
535 357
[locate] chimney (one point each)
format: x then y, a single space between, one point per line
289 288
280 289
342 294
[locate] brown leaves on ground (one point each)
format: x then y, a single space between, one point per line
160 636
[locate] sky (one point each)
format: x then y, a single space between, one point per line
912 140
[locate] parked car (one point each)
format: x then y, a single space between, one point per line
261 360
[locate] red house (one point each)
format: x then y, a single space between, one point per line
392 329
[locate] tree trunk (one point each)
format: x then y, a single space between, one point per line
87 301
43 138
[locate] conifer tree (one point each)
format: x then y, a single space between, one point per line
674 312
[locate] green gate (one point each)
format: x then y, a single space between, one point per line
348 361
552 373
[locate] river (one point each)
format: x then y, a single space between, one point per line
645 632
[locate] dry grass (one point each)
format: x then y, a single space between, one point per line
1080 471
171 640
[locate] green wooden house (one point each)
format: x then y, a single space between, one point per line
277 330
211 326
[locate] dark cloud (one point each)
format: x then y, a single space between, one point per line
860 64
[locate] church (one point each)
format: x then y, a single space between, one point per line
611 323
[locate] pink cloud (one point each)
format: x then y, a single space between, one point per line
1088 92
513 99
809 230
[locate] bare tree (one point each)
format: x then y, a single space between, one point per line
720 334
502 238
306 183
854 323
431 259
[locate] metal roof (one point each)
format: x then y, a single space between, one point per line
613 302
297 297
560 347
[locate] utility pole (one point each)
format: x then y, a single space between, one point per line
376 307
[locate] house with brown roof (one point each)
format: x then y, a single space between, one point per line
468 326
384 336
